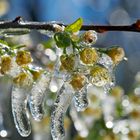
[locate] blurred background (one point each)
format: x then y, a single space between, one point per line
107 12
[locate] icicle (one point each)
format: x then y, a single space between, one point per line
64 97
81 101
14 32
37 96
19 111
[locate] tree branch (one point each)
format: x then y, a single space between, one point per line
19 23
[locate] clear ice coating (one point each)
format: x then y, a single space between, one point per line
14 32
111 84
19 111
14 69
80 99
62 102
37 96
106 61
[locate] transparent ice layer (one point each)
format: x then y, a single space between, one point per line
37 96
62 102
80 99
19 111
106 61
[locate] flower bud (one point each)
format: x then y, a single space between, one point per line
100 76
117 54
23 57
88 56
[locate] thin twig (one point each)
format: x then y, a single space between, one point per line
19 23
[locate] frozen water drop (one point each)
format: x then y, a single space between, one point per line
37 96
19 111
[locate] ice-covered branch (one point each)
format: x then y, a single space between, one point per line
19 23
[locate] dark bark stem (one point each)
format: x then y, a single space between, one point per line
19 23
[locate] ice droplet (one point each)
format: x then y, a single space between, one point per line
37 96
63 100
19 111
80 98
14 32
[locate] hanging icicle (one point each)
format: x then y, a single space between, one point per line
37 95
63 100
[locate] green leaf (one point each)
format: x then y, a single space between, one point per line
74 27
62 39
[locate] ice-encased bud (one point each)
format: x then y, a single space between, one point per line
9 66
117 54
89 38
99 75
89 56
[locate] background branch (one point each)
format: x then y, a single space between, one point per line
19 23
